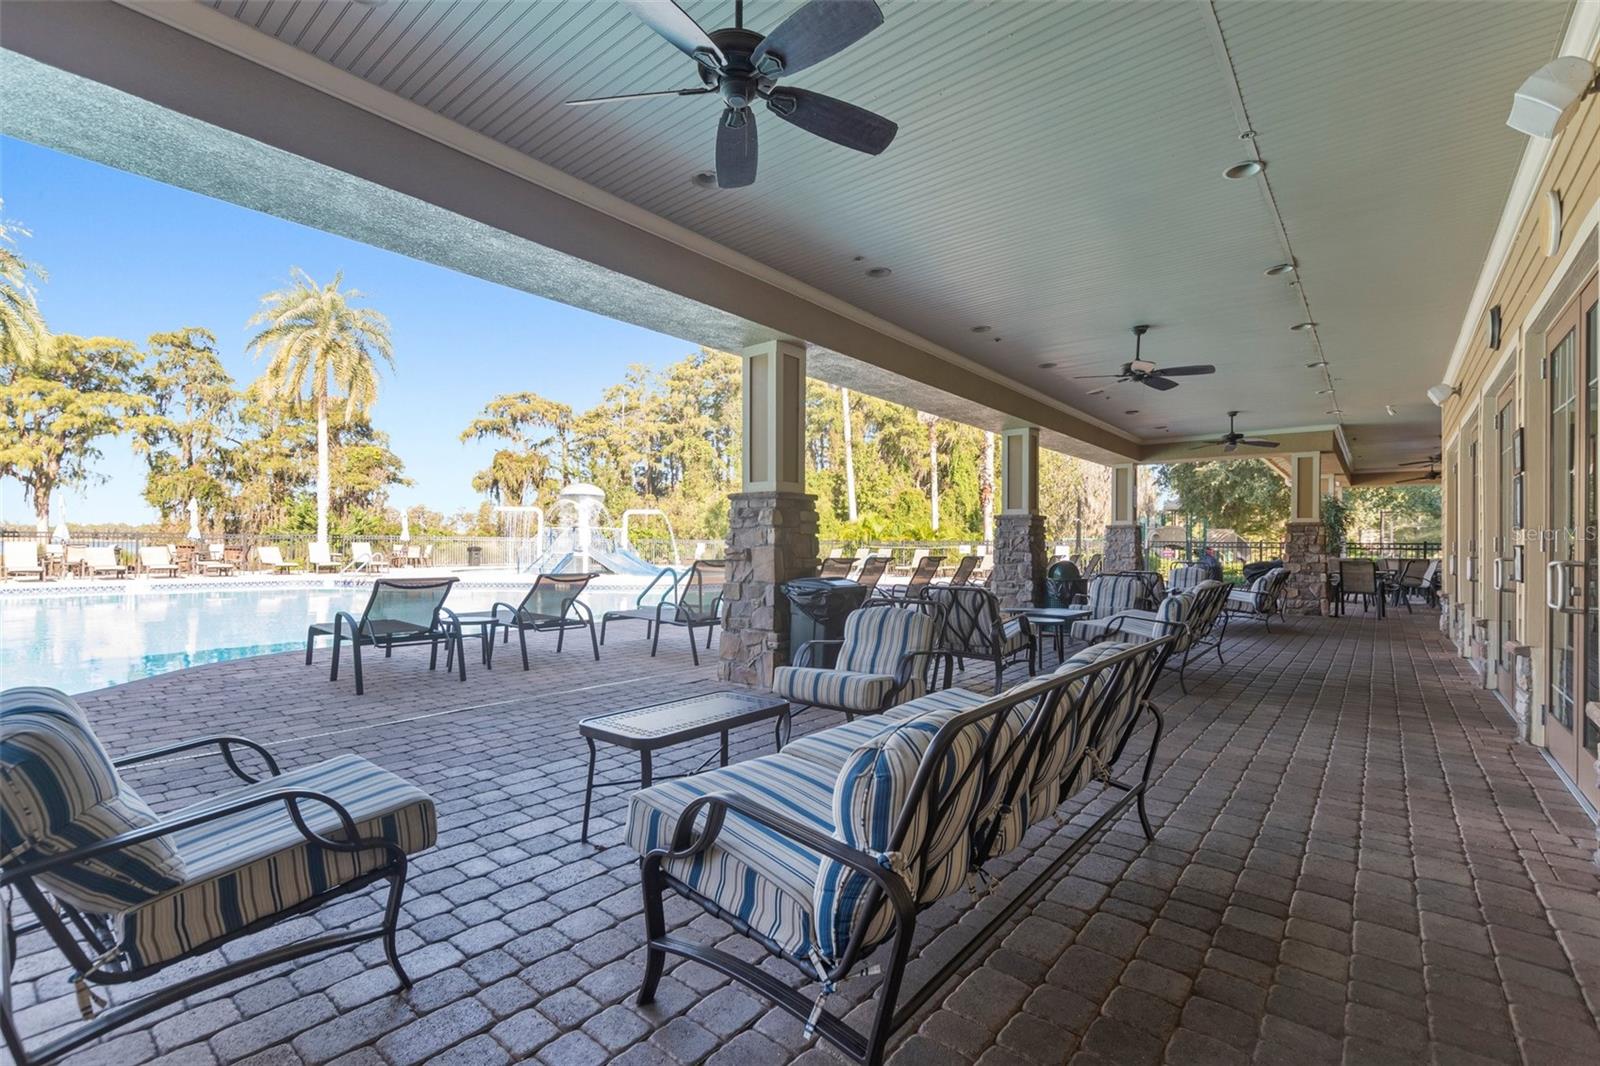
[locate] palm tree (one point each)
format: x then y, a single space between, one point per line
932 422
322 348
986 487
849 456
22 331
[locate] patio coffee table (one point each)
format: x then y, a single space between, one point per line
662 725
1055 619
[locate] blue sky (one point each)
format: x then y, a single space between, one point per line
128 257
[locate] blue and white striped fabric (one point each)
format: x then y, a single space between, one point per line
255 863
1260 593
750 873
1167 619
1111 594
1043 781
876 639
1187 577
817 687
59 791
1013 635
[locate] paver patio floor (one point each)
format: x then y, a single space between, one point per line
1355 861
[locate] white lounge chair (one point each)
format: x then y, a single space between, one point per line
321 557
101 561
216 561
22 559
271 557
363 557
157 559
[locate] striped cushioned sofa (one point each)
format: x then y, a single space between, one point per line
123 892
884 659
831 847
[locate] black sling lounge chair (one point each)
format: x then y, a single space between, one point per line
552 604
699 604
401 611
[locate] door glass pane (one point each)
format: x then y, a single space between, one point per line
1591 617
1507 629
1563 519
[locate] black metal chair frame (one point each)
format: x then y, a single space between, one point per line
1154 586
390 635
1199 632
1119 684
1269 602
689 618
963 628
88 936
963 571
905 671
574 615
873 567
838 566
1370 597
920 580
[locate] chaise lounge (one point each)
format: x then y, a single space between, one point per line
401 611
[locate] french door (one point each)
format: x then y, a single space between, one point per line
1503 600
1573 373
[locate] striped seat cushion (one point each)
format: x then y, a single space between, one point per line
59 791
1187 577
255 863
839 688
751 874
1167 619
1013 635
1042 782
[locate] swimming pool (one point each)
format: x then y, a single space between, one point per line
80 641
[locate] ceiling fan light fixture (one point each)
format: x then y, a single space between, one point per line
1248 168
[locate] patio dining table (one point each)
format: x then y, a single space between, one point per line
1055 620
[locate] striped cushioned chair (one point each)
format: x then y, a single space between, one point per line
1262 599
975 628
1187 577
883 659
123 893
1111 594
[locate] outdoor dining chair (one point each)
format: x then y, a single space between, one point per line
699 603
834 566
124 894
1359 577
551 604
401 611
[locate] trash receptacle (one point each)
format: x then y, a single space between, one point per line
474 555
818 607
1062 582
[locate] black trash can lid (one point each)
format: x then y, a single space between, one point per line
824 598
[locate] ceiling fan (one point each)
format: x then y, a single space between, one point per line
1147 373
1231 440
1432 460
1431 475
741 66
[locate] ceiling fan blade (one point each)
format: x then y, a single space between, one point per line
833 120
1206 444
671 22
1423 462
1187 371
813 33
1257 443
1231 446
1092 377
701 91
736 148
1156 381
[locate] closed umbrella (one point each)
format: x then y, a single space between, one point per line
194 519
405 526
62 534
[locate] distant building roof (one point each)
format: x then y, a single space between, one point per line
1174 536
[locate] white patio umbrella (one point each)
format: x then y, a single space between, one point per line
194 519
405 525
62 534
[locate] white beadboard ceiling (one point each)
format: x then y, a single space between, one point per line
1057 176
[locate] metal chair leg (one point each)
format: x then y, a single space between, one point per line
694 649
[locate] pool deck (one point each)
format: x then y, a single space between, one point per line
1355 861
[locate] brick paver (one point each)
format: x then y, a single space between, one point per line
1355 861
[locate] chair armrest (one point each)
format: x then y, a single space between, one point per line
455 623
289 797
803 655
512 611
343 617
224 743
908 664
717 804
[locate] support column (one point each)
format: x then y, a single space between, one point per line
1305 552
1019 548
772 521
1124 541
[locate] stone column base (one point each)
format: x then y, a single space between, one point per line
1019 559
772 538
1124 548
1305 556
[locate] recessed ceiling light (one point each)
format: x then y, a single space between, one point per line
1318 364
1280 270
1132 412
1048 366
1390 408
706 179
1247 169
1324 392
997 340
1301 327
878 272
1335 411
1096 392
981 329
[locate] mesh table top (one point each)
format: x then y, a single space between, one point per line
686 719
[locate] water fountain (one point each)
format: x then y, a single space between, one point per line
577 536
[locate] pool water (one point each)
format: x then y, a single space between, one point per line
79 642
